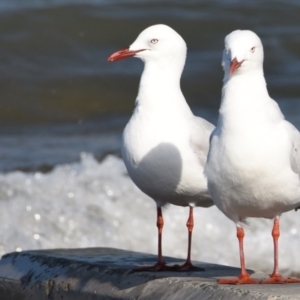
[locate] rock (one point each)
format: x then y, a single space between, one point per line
106 273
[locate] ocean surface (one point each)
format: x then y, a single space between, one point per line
63 108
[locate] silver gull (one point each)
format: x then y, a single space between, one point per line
164 145
253 164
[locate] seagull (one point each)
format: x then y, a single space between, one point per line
253 164
164 145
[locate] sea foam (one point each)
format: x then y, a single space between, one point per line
95 204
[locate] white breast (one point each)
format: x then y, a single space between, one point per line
249 170
160 160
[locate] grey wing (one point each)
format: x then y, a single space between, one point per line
199 138
295 155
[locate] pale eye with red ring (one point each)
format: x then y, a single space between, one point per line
154 41
252 49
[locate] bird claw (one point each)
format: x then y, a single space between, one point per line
162 267
189 267
158 267
243 279
278 279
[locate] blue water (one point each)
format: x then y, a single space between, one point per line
63 108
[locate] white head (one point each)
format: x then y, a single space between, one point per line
157 43
243 53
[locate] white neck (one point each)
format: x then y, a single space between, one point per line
246 101
160 86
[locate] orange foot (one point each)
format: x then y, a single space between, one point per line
243 279
158 267
189 267
278 279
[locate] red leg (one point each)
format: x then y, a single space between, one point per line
188 266
244 278
160 225
276 277
160 265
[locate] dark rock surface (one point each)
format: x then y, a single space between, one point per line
105 273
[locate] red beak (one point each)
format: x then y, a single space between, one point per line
234 65
123 53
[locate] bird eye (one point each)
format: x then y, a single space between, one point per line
154 41
253 49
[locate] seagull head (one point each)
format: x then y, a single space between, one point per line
243 53
156 43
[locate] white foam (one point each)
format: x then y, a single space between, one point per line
91 204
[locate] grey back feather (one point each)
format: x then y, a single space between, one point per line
200 144
295 155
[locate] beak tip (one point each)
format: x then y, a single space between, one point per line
123 53
235 64
118 55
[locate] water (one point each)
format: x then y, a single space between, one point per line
63 108
91 204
